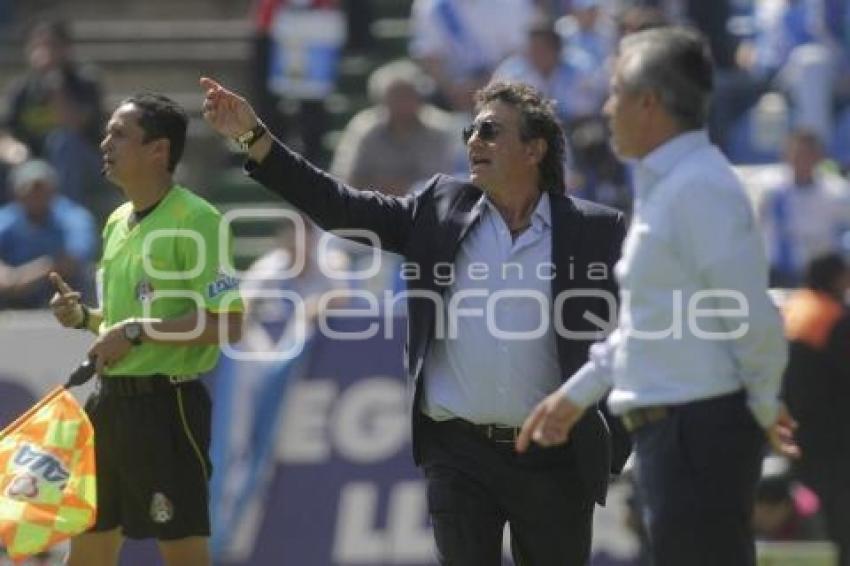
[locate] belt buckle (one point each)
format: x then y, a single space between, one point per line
637 418
180 379
493 430
630 421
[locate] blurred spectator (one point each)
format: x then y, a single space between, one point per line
460 42
297 50
595 172
39 233
12 152
588 35
784 510
633 19
805 216
577 85
817 387
400 141
55 109
299 266
801 48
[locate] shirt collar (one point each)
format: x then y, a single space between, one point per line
540 218
663 158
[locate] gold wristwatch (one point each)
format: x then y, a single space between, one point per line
249 138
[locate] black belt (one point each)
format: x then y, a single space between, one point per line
135 385
495 433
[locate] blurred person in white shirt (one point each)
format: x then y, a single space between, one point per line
805 216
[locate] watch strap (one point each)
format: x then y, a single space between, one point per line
250 137
84 323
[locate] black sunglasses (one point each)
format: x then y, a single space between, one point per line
487 131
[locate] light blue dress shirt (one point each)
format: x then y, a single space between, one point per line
693 233
495 371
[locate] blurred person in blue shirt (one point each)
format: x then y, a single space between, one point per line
42 231
460 42
802 47
576 85
589 35
806 213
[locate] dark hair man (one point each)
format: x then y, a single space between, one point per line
470 391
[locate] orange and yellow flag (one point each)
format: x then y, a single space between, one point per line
47 476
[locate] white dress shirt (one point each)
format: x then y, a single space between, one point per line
499 366
693 232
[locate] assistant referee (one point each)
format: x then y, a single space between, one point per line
167 301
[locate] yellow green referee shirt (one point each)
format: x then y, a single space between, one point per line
176 260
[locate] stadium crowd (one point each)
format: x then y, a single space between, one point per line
782 103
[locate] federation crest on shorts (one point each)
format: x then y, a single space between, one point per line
144 291
162 510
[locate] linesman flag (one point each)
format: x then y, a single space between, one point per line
47 476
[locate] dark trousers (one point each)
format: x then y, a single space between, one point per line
696 472
476 485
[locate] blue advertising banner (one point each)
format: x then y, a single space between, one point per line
341 487
311 452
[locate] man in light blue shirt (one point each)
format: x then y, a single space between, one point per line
695 362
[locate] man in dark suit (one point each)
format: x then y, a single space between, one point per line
539 263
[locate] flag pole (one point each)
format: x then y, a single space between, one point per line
32 410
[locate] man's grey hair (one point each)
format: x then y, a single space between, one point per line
402 71
675 63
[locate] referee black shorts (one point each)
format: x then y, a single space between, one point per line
152 453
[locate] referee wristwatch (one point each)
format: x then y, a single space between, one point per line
249 138
133 333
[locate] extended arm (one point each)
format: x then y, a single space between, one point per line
331 204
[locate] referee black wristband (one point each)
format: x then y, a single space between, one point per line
84 324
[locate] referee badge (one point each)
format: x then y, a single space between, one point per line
223 283
144 291
162 510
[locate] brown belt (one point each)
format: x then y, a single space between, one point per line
642 416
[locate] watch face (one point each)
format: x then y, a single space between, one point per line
133 332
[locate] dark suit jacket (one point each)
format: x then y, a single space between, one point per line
427 229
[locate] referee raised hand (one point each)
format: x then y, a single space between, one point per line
65 303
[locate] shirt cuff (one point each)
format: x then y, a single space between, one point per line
765 412
586 386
